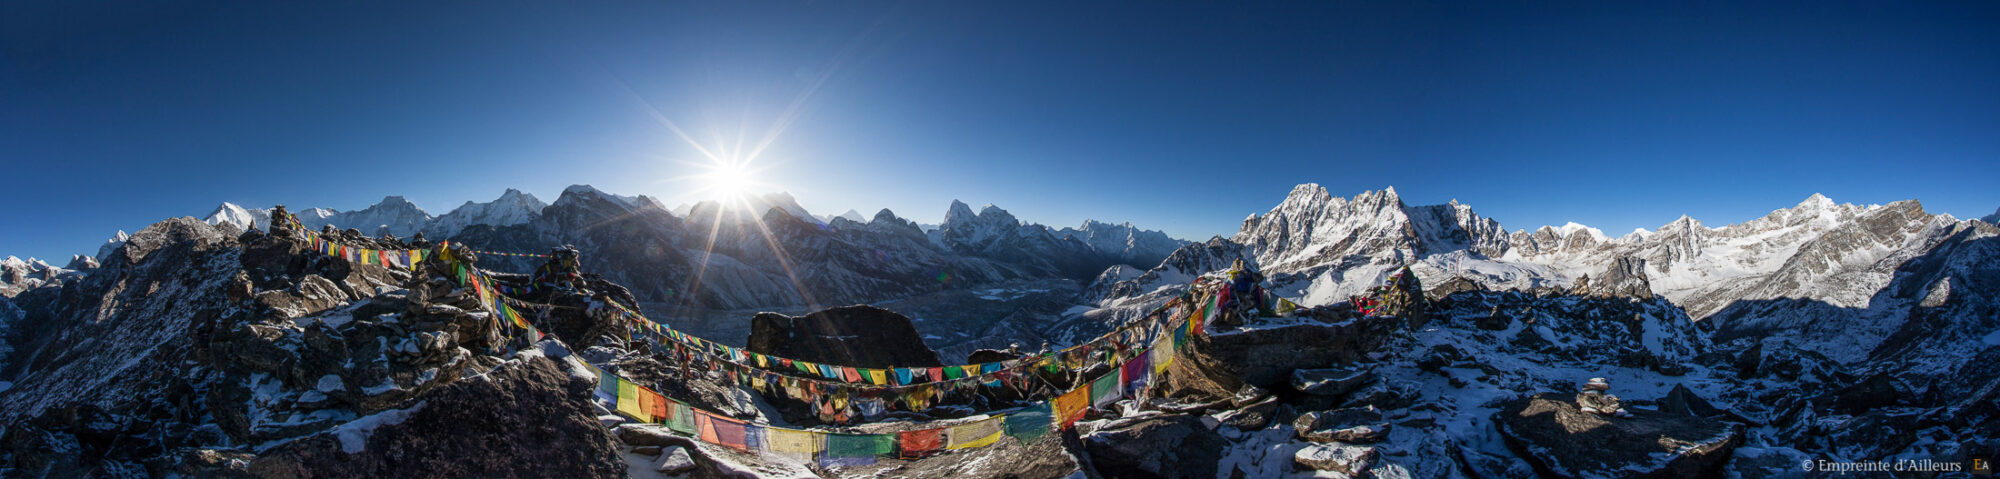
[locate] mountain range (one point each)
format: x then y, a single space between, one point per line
1819 330
721 256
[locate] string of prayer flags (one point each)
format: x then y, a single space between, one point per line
919 444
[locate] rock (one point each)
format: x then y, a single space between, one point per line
1684 402
647 436
1266 357
545 430
992 356
1349 425
1254 416
1332 381
1624 277
860 336
1341 458
1560 440
1384 395
647 450
1165 446
1877 391
674 460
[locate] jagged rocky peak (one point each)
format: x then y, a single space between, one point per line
890 216
82 263
104 250
958 213
1992 218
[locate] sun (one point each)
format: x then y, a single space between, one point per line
729 180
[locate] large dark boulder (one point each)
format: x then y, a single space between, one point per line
1561 440
1165 446
860 336
528 418
1223 364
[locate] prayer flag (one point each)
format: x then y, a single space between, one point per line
974 434
850 374
954 372
1070 406
1135 370
878 377
859 445
1104 390
607 386
656 405
1031 423
919 444
800 445
646 405
682 417
989 368
903 376
628 399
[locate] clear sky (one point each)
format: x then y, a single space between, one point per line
1184 118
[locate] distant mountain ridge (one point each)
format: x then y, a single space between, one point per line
1855 260
722 256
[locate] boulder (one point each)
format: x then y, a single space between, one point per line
1254 416
1335 382
675 460
1560 440
860 336
1266 357
1348 425
1336 457
1163 446
546 429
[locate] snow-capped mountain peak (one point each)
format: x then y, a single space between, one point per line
237 215
1572 228
511 208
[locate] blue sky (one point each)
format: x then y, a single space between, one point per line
1177 117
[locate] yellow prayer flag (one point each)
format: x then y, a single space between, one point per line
878 376
974 434
628 400
791 441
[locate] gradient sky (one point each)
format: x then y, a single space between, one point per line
1183 118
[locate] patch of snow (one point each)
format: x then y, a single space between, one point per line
388 384
330 383
354 435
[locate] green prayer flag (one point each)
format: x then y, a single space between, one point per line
1031 423
860 445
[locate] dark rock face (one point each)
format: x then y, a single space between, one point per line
860 336
524 419
1624 277
1561 440
1266 357
1168 446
